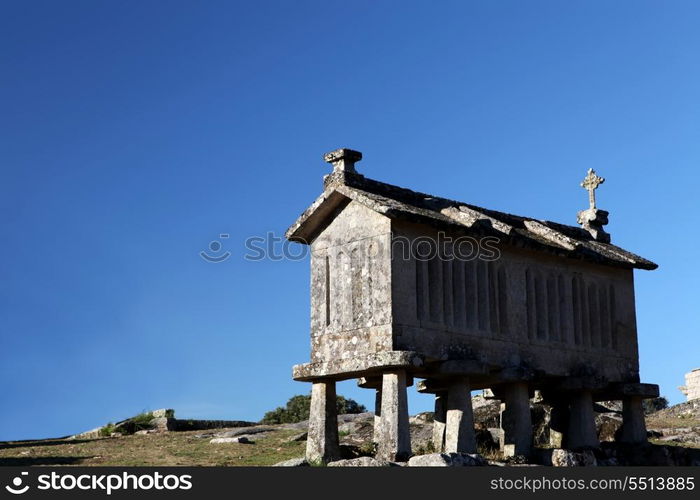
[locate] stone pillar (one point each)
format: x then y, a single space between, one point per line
516 420
634 429
322 443
459 423
377 413
394 442
439 421
581 432
558 422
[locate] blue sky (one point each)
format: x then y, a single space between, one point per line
134 133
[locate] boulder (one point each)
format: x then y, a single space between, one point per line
359 462
568 458
239 439
293 462
446 460
607 425
299 437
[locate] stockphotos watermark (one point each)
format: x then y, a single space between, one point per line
273 247
105 483
422 248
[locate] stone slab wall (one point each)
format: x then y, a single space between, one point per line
351 286
554 313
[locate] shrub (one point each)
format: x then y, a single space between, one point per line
108 429
654 405
297 409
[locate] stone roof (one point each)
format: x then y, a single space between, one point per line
400 203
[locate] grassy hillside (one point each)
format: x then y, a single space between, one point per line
172 448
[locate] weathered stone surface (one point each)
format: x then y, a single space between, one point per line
516 420
439 422
568 458
299 437
145 432
394 433
359 462
164 424
227 433
239 439
459 422
633 428
163 412
357 365
293 462
446 460
691 389
581 431
608 425
322 441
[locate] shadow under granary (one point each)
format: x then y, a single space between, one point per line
407 285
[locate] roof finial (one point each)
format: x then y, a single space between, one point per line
343 159
593 219
591 183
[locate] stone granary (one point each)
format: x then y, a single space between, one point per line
406 285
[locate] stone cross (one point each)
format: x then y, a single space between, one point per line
591 183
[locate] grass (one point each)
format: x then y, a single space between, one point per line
167 449
671 422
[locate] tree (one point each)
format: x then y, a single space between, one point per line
297 409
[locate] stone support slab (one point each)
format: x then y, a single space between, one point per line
634 429
394 440
516 420
439 422
459 422
322 443
581 431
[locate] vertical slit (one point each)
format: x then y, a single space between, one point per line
564 335
585 323
613 318
594 320
470 295
435 291
355 287
328 291
502 301
482 294
447 290
540 308
604 317
458 298
552 314
576 310
420 299
530 303
493 297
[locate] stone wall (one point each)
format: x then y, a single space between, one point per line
350 286
691 389
554 314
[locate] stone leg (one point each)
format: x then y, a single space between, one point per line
634 429
581 432
377 413
394 434
516 420
322 443
439 422
558 422
459 425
